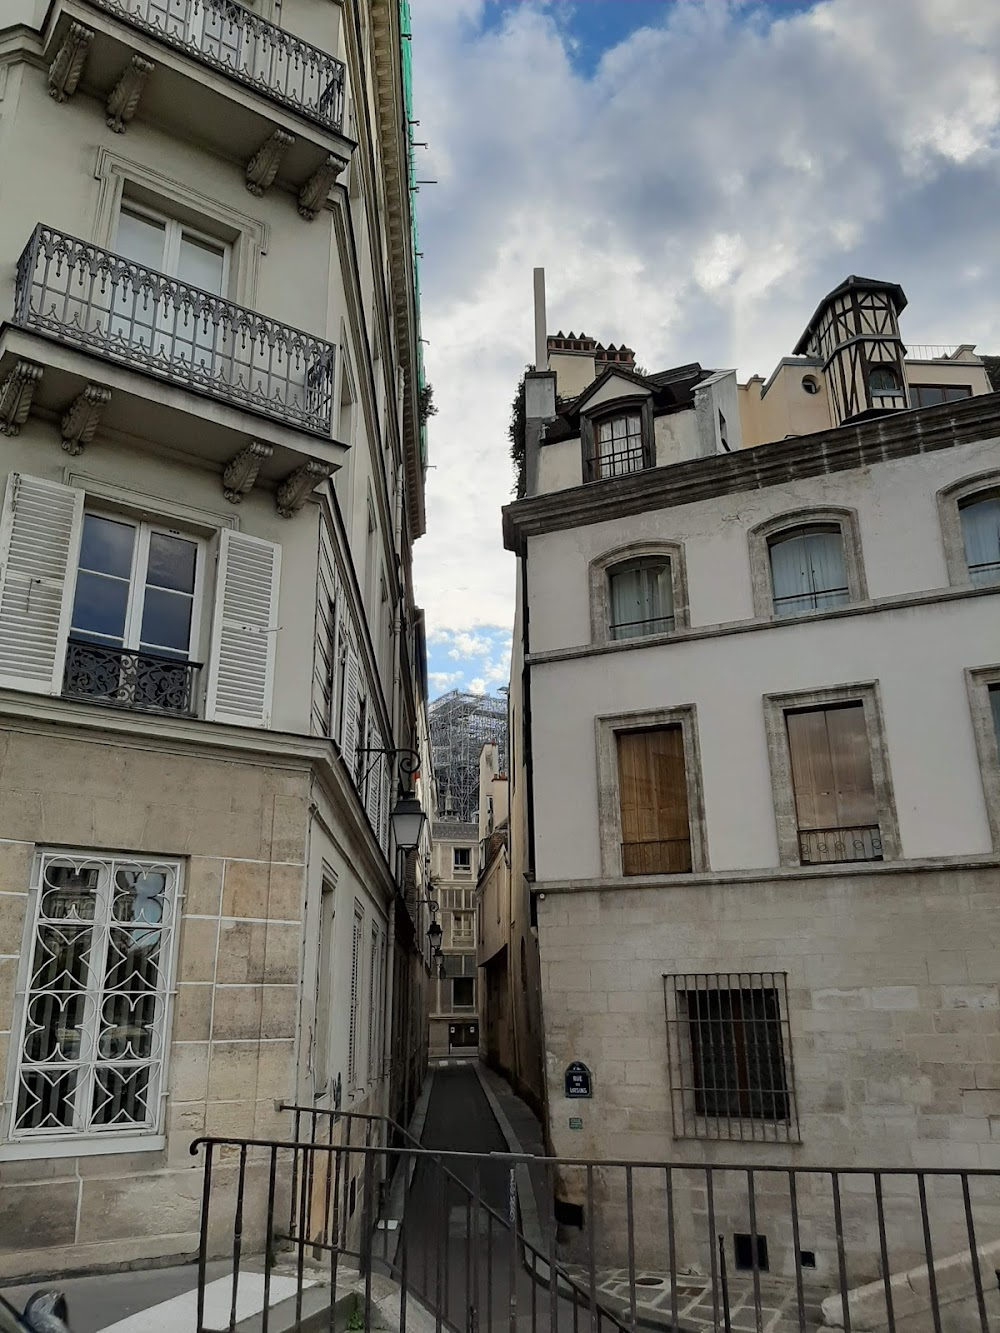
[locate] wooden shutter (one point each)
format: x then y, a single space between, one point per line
652 782
350 740
832 768
39 546
244 629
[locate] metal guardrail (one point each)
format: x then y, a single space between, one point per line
129 678
728 1245
121 310
830 846
231 38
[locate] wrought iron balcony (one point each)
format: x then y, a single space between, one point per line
829 846
97 301
232 39
127 678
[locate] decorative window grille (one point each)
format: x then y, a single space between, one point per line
356 966
92 1037
730 1047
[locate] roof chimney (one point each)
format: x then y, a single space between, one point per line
541 344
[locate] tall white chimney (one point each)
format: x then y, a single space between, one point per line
541 331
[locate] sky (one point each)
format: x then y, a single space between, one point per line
694 175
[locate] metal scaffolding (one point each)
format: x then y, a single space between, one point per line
460 725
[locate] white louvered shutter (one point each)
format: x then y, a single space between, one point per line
350 742
244 629
383 830
374 795
39 545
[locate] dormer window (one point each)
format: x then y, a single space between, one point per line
617 440
883 381
619 445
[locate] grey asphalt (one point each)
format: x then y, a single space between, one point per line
97 1302
472 1268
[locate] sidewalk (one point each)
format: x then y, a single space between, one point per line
697 1310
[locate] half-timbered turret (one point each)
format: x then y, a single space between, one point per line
855 336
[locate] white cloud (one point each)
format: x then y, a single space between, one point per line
694 199
478 685
444 680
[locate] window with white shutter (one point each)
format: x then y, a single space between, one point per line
373 796
39 540
357 964
244 629
349 703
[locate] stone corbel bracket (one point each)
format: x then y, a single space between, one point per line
314 193
241 472
16 394
83 418
125 95
299 485
263 166
66 68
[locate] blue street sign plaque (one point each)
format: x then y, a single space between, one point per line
578 1080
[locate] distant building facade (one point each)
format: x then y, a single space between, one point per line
454 1017
755 709
510 1036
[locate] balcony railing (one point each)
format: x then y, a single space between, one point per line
115 308
657 856
127 678
828 846
230 38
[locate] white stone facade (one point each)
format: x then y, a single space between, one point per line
882 969
207 359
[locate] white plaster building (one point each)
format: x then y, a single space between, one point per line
212 473
758 718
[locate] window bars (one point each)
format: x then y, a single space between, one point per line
730 1052
93 1030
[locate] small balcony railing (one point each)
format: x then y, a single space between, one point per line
230 38
118 309
828 846
657 856
126 678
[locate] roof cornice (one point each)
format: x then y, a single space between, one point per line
392 129
865 444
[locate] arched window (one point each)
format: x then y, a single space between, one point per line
808 570
883 380
980 516
640 597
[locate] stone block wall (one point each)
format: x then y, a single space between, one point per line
894 1016
239 829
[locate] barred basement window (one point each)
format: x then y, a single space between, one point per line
730 1049
92 1037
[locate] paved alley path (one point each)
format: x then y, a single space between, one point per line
458 1257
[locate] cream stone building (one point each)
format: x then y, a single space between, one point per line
212 470
510 1037
755 708
453 1019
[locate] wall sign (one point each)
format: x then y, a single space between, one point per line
575 1122
578 1080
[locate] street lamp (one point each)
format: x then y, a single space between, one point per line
408 819
435 933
